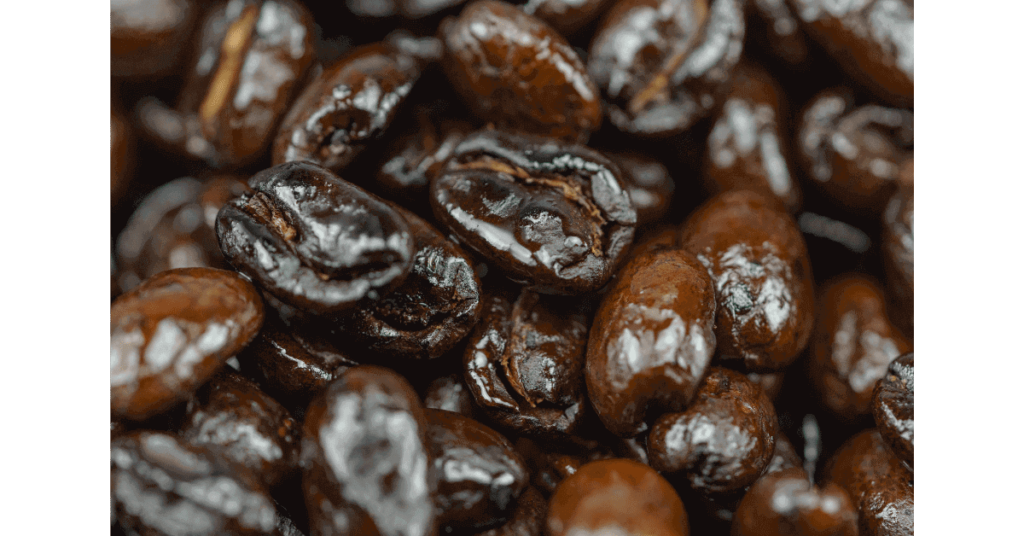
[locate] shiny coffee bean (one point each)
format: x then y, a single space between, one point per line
854 341
527 519
365 460
479 474
122 155
565 16
450 393
892 405
898 249
552 216
432 310
880 486
524 362
251 57
763 283
724 439
616 497
748 148
652 339
774 27
513 69
418 155
662 65
854 154
872 41
159 484
148 37
313 240
172 333
649 184
173 227
231 417
786 503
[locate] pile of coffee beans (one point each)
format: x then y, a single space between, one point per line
512 268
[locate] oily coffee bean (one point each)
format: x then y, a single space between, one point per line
898 249
786 503
524 362
652 339
527 519
663 65
147 37
616 497
513 69
880 486
159 484
173 227
892 405
723 441
233 418
555 217
313 240
854 341
479 474
648 182
758 261
450 393
172 333
365 459
347 107
748 147
251 57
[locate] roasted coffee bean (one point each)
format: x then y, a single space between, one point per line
652 339
148 37
663 64
173 227
231 417
553 216
854 341
514 70
251 58
479 474
432 310
313 240
347 107
773 27
853 153
616 497
649 184
418 154
450 393
365 460
122 155
524 362
786 503
880 486
763 283
565 16
892 405
872 41
898 249
161 485
172 333
527 519
748 148
725 438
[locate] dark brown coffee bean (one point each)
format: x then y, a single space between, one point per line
663 64
231 417
172 333
854 154
786 503
418 155
763 283
872 41
652 339
524 362
898 249
432 310
515 70
748 148
364 458
773 27
122 155
313 240
881 487
527 519
173 227
479 474
552 216
892 405
161 485
616 497
347 107
565 16
450 393
854 341
723 441
147 37
649 184
251 58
